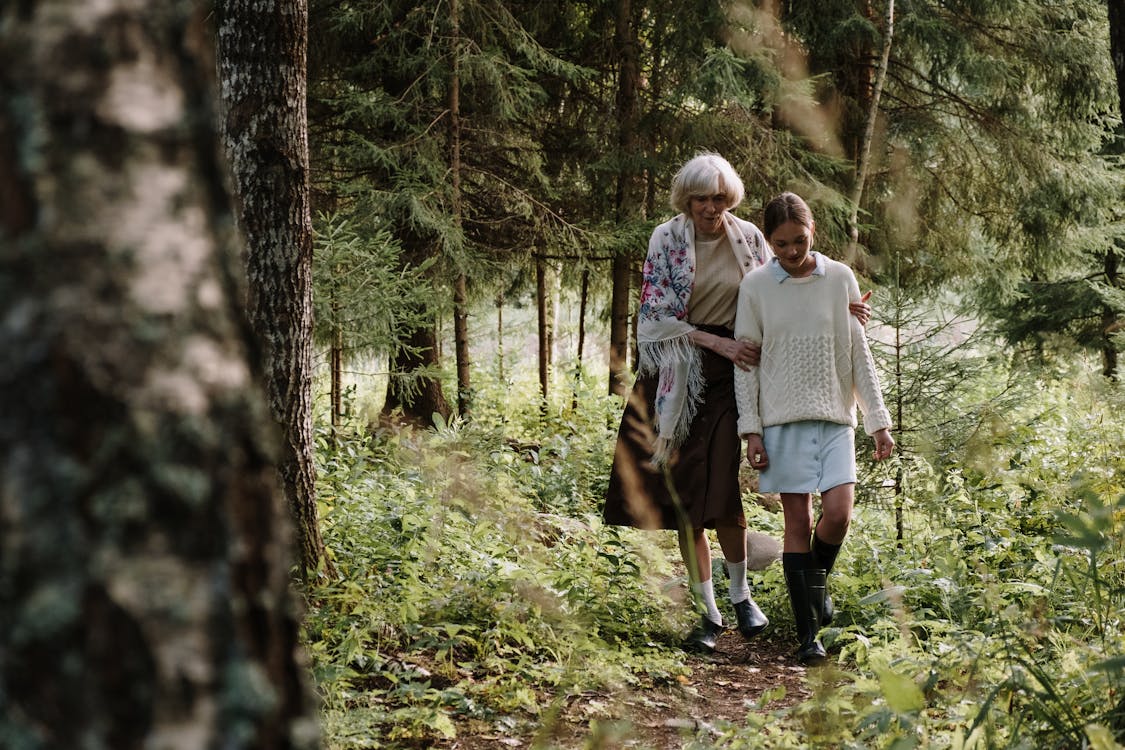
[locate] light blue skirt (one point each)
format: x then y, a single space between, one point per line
808 456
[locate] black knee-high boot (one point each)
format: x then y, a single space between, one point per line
824 556
806 595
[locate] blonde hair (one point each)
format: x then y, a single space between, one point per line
705 174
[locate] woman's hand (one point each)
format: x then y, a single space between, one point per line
861 310
744 354
884 444
756 452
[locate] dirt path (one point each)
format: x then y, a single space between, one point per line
722 687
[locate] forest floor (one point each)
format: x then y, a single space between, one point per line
722 687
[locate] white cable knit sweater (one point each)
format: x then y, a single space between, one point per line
815 360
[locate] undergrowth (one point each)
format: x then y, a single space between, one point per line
478 591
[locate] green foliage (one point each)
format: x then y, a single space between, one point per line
476 582
363 295
478 589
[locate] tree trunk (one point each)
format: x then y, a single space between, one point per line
461 343
1117 49
144 543
460 288
619 326
336 388
500 336
863 154
628 198
1111 322
583 300
542 306
262 78
1117 45
900 406
413 390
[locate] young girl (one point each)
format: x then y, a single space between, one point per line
797 408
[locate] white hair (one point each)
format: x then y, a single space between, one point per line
706 174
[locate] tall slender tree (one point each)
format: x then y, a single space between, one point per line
262 47
461 281
629 189
144 555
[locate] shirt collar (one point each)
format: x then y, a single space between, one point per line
780 274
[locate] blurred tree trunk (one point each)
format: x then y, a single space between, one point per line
262 77
628 197
863 152
144 543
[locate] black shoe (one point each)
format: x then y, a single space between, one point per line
704 637
829 610
751 619
806 594
812 654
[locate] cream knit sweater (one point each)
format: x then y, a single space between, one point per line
815 359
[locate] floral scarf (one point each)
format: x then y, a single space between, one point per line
662 328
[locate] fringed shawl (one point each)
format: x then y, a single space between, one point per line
662 327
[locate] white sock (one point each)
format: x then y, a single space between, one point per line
739 588
705 592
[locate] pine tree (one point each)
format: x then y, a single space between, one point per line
381 97
989 166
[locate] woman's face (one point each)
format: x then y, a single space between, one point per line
707 212
791 243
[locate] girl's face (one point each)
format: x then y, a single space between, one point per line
707 212
791 243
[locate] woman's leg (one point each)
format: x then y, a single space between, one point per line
732 540
751 619
702 586
697 558
698 551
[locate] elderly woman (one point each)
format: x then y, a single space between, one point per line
678 450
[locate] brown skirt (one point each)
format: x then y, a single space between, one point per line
703 472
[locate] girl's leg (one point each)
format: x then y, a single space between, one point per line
805 584
797 509
836 505
836 513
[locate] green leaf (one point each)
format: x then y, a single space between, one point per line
887 594
901 692
1101 738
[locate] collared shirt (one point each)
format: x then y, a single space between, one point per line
781 274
